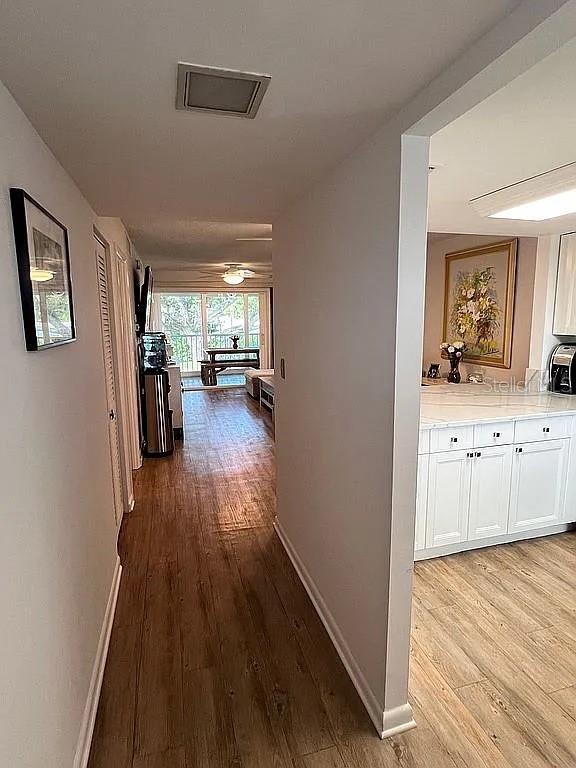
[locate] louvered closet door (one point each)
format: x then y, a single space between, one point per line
106 324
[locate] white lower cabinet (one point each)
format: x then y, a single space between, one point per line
490 492
448 495
421 500
539 473
498 492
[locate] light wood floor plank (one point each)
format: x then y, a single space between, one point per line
487 706
567 700
431 638
467 742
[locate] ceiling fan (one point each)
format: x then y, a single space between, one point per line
236 274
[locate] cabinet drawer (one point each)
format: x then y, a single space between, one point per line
424 441
542 428
494 433
451 438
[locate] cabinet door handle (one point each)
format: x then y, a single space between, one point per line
518 450
477 454
453 439
545 429
497 434
469 455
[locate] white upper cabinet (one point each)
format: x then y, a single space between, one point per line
565 305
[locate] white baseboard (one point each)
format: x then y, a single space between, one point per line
89 718
397 720
386 723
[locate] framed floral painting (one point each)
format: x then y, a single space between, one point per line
479 301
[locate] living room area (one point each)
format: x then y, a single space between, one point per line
212 298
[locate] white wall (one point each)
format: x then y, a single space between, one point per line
335 423
434 318
57 542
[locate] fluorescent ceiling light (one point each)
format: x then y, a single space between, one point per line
251 239
546 196
545 208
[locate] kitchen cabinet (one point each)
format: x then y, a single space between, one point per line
448 498
539 475
491 491
565 304
490 482
421 501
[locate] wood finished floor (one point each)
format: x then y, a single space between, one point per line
218 659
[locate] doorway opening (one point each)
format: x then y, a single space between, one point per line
195 322
495 509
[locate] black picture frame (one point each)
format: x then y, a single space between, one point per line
22 205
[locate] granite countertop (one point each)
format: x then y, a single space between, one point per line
452 404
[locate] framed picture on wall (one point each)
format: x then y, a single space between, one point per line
44 273
479 294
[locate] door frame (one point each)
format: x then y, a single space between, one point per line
124 483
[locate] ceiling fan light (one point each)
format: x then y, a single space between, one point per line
233 278
41 275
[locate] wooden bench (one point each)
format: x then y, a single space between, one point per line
210 370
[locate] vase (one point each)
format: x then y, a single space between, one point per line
454 374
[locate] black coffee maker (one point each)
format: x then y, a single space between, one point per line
563 369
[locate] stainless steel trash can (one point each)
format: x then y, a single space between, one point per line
157 414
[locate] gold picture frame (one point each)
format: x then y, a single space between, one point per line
479 293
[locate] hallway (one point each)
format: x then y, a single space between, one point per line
218 659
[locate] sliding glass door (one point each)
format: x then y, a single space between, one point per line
194 322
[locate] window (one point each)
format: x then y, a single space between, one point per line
194 322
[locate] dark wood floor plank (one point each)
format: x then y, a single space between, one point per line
327 758
208 719
172 758
296 698
159 703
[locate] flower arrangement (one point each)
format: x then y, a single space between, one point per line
475 315
453 351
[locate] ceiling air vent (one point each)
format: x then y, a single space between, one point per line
219 91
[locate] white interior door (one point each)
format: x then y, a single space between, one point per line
108 354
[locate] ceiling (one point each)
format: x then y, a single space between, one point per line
526 128
178 244
98 81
